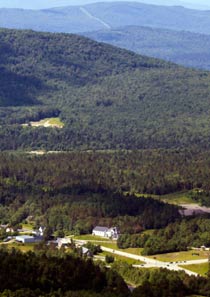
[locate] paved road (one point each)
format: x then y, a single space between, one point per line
190 262
149 262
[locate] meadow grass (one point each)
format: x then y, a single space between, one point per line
121 258
20 246
201 269
182 256
48 122
91 238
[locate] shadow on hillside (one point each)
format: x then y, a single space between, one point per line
18 90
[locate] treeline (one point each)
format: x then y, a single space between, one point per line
75 192
22 115
33 274
178 236
162 282
156 172
60 274
79 209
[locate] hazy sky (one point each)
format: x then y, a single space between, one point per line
38 4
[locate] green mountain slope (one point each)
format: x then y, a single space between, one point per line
46 63
108 98
184 48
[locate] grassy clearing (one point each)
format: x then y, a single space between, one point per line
148 232
113 245
20 246
173 198
182 256
28 226
107 243
177 198
202 269
121 258
47 122
91 238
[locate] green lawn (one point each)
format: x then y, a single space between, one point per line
22 247
121 258
202 269
113 245
177 198
181 256
28 226
173 198
91 238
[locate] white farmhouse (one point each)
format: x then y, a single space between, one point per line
106 232
100 231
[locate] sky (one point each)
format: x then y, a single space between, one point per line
41 4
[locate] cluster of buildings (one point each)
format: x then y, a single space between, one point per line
35 238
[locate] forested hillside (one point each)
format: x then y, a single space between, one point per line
56 274
181 47
108 98
74 192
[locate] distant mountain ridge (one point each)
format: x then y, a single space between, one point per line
96 16
42 4
181 47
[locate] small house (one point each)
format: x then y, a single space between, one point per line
86 252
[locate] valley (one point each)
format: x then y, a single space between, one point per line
104 151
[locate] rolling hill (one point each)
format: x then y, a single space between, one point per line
96 16
181 47
108 98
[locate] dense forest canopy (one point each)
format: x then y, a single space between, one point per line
68 192
76 191
57 274
108 98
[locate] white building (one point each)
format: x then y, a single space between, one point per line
25 239
106 232
28 239
63 241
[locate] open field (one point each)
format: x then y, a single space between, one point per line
107 243
47 123
177 198
28 226
173 198
202 269
182 256
121 258
91 238
134 251
20 246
